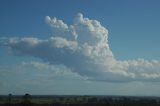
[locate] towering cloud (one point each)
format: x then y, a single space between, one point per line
83 48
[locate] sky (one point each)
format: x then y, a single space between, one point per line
80 47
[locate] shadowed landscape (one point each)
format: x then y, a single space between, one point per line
77 100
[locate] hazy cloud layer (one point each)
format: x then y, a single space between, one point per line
83 48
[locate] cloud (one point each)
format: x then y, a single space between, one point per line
28 76
84 49
34 70
53 70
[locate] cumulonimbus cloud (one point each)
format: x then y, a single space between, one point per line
83 47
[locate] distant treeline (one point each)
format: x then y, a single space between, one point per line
28 100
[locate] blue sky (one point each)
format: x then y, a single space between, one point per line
134 29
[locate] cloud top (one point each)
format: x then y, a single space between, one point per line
83 48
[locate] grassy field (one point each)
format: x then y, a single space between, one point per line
33 100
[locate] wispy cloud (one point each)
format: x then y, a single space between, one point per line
84 49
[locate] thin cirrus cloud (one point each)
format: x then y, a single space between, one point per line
83 48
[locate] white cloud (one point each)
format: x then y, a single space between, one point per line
83 48
54 70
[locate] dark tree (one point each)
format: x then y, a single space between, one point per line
9 100
27 99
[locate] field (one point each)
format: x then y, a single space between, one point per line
77 100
